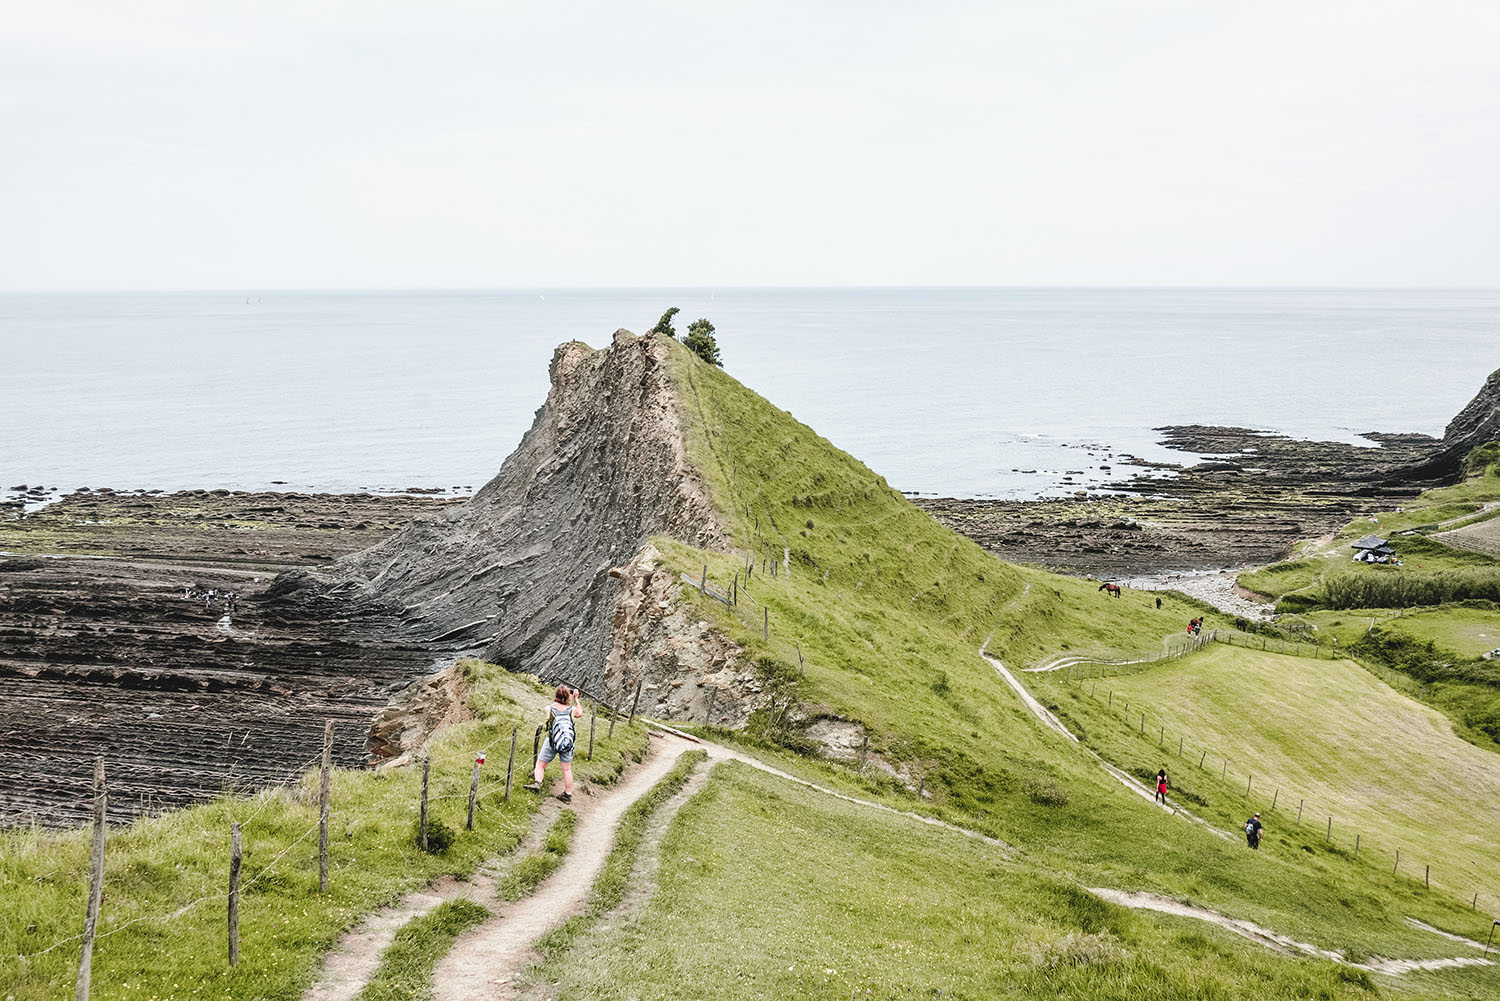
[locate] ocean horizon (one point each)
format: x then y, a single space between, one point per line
972 392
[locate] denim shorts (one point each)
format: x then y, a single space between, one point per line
547 753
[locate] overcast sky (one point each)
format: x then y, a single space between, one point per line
207 144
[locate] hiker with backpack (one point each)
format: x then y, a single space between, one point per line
1252 831
561 735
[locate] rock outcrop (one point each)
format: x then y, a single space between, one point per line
1477 424
520 573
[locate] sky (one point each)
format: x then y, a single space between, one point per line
353 145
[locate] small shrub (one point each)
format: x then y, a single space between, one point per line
1046 792
440 836
664 325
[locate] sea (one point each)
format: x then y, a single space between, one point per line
970 392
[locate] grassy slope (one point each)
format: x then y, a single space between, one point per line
832 901
890 638
158 864
1326 732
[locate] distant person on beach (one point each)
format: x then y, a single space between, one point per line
1253 831
1161 786
560 740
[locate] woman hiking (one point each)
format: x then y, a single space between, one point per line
560 739
1161 786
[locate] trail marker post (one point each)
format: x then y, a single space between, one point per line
234 893
473 789
323 778
96 886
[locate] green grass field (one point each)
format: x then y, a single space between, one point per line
160 864
1327 732
833 901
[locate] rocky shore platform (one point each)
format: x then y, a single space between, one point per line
118 637
1253 496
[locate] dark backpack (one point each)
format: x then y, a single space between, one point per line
561 734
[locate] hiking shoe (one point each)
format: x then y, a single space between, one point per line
566 797
532 787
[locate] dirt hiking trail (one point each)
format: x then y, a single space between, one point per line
484 962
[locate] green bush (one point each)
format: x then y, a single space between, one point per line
1408 590
440 836
700 340
664 325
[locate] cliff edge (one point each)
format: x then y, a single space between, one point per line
1478 423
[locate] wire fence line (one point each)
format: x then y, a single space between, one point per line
92 933
1136 722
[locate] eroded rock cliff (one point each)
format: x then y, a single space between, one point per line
520 573
1478 423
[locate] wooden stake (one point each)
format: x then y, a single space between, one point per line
1356 846
1224 776
801 664
1179 747
593 722
1202 757
766 623
1248 780
1398 862
735 593
636 704
1299 812
703 583
96 886
510 764
1427 877
1275 798
234 893
1329 835
323 777
422 822
473 794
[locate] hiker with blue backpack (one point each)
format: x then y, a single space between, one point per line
561 735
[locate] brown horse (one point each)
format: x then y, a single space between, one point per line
1112 590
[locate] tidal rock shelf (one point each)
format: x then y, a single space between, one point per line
126 651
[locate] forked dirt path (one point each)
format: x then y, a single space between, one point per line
483 963
1051 722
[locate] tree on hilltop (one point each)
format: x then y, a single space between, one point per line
700 341
664 325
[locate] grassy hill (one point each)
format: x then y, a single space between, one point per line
1327 733
889 609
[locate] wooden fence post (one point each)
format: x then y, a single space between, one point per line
323 778
1356 846
801 664
734 595
1299 814
473 790
1248 779
1427 877
422 821
1329 835
510 764
593 721
765 623
636 704
1398 862
1202 757
234 893
1143 722
1224 775
96 886
1111 703
1161 736
1275 797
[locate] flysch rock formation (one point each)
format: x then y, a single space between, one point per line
1478 423
521 574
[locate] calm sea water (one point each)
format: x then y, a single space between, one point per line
952 391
